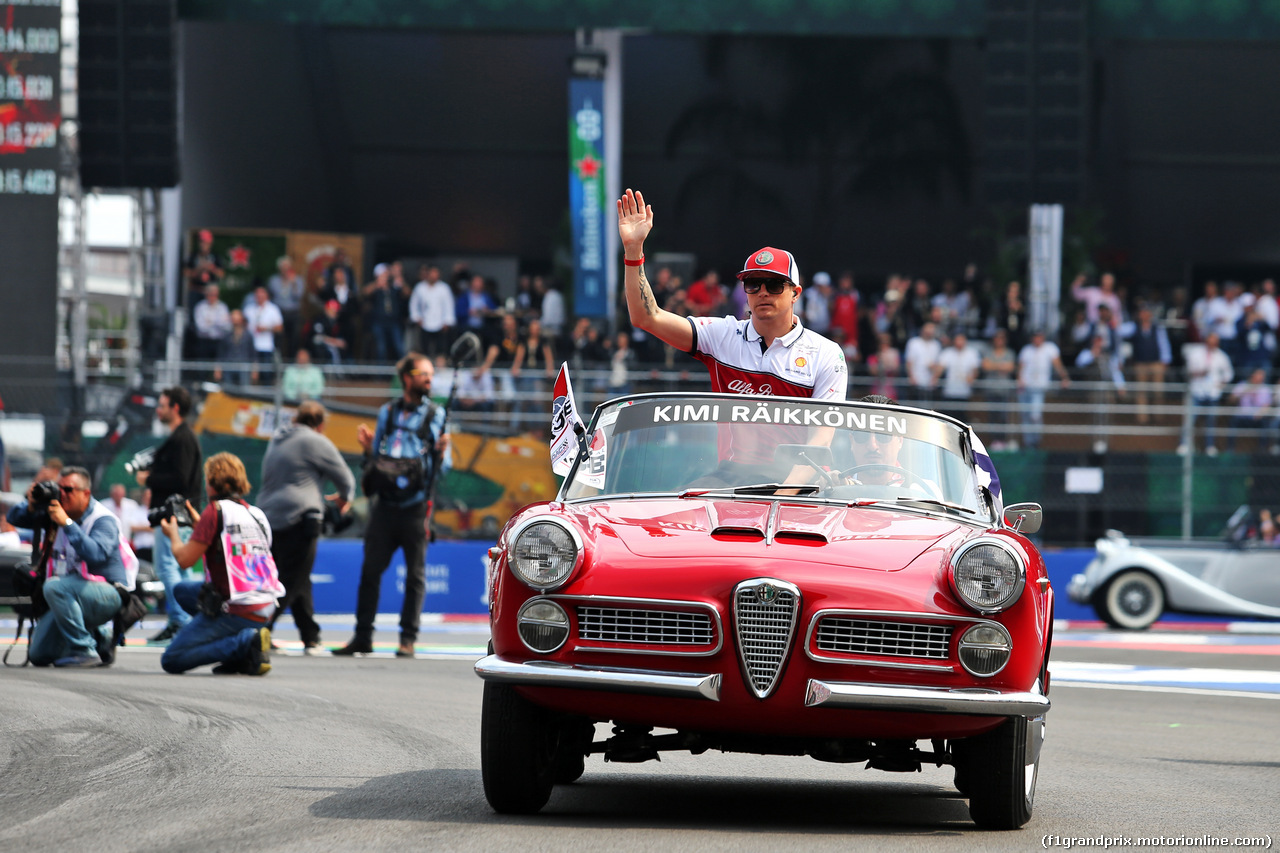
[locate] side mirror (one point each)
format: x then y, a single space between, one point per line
1024 518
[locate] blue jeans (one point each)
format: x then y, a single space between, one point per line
1032 400
79 610
169 574
388 340
203 640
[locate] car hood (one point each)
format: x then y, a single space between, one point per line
854 537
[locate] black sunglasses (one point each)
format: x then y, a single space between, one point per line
773 285
880 437
69 490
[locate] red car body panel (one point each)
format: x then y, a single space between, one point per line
696 550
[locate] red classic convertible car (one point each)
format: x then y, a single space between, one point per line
773 576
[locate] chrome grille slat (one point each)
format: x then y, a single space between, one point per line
645 626
877 637
764 631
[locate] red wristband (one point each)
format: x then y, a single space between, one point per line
636 263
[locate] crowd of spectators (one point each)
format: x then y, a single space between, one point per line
942 343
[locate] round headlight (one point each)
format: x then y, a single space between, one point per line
987 575
543 625
985 649
544 554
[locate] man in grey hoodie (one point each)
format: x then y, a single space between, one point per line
298 463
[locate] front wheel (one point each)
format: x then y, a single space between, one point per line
518 746
1131 600
998 772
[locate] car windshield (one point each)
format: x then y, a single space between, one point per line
693 444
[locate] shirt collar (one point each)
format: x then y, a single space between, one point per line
751 335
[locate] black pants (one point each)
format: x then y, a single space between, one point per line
391 528
294 550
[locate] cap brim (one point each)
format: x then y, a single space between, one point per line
762 274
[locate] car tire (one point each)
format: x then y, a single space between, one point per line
1132 600
569 767
996 773
518 747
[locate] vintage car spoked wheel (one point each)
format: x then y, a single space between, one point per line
1132 600
907 476
997 771
518 745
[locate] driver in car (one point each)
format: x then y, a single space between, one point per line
875 461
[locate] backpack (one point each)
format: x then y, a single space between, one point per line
399 478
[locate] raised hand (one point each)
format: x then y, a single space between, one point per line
635 221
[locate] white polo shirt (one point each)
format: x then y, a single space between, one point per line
801 363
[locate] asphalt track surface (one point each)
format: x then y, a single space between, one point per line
1163 733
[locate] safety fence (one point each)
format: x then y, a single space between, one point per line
1096 457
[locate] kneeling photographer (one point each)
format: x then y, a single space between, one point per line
231 608
84 562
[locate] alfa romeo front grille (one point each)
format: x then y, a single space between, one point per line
764 616
876 637
645 627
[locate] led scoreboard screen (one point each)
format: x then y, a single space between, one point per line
30 109
30 118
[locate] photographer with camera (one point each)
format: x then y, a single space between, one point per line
400 452
298 462
174 480
233 605
85 560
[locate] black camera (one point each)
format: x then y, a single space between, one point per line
175 507
336 521
43 493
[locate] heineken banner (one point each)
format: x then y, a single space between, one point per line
586 196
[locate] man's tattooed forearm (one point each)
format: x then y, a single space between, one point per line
646 295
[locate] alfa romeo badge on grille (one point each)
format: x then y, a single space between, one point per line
767 593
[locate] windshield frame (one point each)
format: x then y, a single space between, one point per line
985 515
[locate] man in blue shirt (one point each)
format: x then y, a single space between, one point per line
399 454
85 562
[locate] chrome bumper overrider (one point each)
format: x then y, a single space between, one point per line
547 674
925 700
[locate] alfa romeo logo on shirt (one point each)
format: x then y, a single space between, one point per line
764 258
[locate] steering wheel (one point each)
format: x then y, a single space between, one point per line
907 476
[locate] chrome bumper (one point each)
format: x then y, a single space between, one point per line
866 697
1078 590
547 674
925 700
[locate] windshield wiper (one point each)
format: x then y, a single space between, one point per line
943 504
758 488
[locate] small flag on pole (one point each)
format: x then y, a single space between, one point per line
566 425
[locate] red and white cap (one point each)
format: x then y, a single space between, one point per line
772 261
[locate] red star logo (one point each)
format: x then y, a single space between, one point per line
239 257
589 167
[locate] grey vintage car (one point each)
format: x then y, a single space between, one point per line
1131 582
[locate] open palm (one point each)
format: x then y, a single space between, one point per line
635 220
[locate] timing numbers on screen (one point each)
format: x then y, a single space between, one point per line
29 182
30 134
32 40
34 87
